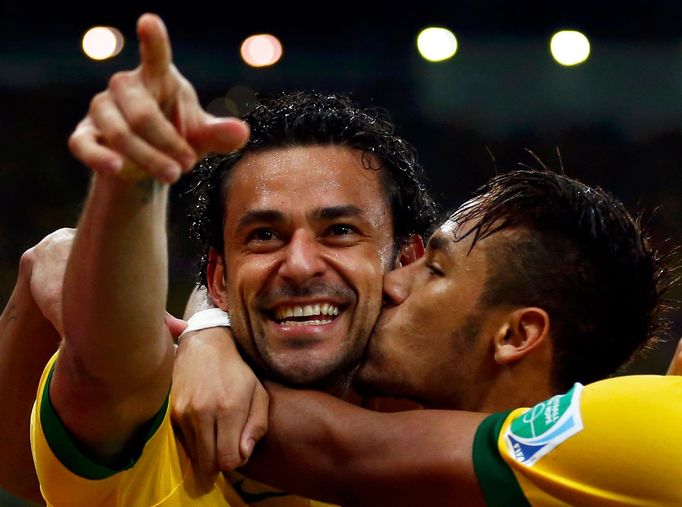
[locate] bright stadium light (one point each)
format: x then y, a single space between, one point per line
261 50
102 42
436 44
569 47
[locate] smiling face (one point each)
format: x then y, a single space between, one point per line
308 236
429 343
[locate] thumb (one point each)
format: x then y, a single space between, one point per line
220 135
175 325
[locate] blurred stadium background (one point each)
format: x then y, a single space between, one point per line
615 119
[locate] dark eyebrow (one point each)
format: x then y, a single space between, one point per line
440 242
276 216
259 215
333 212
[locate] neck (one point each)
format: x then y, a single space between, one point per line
338 385
341 387
504 387
517 386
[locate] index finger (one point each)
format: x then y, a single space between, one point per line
155 49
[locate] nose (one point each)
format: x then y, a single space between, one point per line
303 259
397 284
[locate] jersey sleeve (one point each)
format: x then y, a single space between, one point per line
614 442
497 481
69 477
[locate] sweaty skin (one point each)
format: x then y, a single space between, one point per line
308 238
328 449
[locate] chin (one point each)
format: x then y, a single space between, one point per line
308 372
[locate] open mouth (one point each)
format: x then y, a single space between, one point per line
317 314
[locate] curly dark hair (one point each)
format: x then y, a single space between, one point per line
583 258
314 118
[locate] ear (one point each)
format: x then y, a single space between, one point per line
412 250
523 331
216 280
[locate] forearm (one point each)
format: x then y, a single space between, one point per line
321 447
27 340
116 282
115 366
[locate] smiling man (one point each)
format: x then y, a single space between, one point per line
322 201
305 255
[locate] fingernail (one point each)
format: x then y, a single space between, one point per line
171 173
188 161
248 446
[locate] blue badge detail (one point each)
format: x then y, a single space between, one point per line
540 429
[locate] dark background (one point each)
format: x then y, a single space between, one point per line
615 120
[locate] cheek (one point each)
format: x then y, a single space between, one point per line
386 256
360 268
246 279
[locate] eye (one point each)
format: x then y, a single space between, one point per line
263 240
434 270
340 235
341 230
261 235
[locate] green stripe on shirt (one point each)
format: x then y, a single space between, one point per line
497 481
66 449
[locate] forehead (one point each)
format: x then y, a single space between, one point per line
444 238
304 179
451 239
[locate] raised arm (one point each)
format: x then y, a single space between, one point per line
324 448
114 369
115 364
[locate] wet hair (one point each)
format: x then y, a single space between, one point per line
307 119
576 252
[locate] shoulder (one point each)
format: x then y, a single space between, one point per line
597 443
69 476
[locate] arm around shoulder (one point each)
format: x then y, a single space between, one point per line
27 340
322 447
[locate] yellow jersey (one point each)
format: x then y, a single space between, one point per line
612 443
162 474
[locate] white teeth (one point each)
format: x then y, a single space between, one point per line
284 312
305 323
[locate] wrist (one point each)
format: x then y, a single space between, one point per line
205 319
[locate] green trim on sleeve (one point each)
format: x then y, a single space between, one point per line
66 449
497 481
